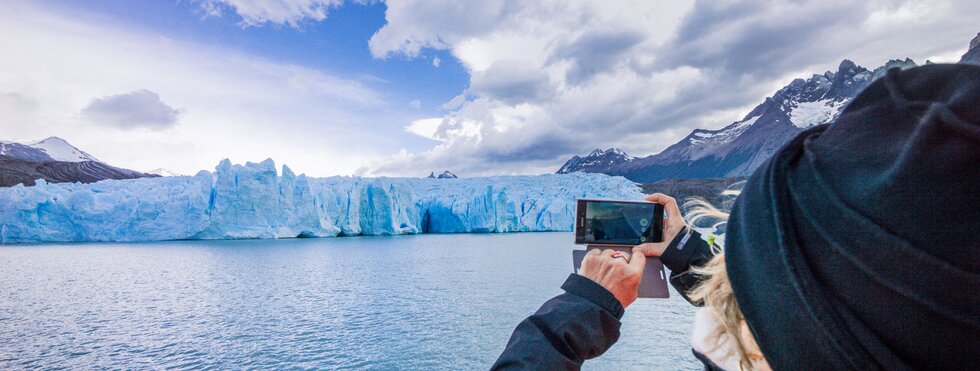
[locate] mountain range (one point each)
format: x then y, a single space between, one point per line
740 147
56 161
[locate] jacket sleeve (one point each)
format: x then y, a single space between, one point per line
567 330
686 250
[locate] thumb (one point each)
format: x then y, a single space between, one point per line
650 248
637 260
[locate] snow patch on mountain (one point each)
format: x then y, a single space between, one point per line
596 160
709 138
60 150
808 114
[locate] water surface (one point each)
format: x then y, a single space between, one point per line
403 302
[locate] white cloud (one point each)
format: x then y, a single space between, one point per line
257 12
547 78
413 25
425 128
232 104
138 109
454 103
553 78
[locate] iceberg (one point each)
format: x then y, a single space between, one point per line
253 201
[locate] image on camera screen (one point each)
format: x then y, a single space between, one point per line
618 223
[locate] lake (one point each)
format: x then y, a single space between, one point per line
401 302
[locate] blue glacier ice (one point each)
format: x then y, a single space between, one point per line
254 201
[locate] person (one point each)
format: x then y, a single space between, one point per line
854 247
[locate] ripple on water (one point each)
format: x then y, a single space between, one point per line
407 302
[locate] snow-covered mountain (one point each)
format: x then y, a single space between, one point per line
738 148
54 160
23 152
596 161
60 150
50 149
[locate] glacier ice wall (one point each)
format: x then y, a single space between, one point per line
253 201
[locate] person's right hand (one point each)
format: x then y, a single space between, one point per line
673 225
616 271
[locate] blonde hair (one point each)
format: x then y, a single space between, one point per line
714 289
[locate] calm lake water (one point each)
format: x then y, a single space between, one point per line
403 302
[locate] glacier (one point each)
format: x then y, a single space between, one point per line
253 201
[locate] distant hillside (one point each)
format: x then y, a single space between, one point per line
596 161
56 161
445 175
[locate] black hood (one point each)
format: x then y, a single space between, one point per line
857 245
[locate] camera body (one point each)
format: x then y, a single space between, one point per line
617 222
620 225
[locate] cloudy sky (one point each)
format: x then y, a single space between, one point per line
333 87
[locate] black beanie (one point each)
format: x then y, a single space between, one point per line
857 245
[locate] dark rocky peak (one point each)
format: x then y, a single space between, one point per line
445 175
800 90
767 104
596 161
609 154
848 67
617 152
894 63
973 54
848 81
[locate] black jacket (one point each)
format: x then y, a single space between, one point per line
584 321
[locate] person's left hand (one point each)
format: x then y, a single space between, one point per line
615 271
673 225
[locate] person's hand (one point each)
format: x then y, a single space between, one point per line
615 271
673 225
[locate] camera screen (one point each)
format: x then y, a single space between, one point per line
621 223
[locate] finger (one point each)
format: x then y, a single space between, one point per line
608 252
650 249
590 257
670 205
589 261
620 257
638 262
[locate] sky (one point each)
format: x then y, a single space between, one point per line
404 88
